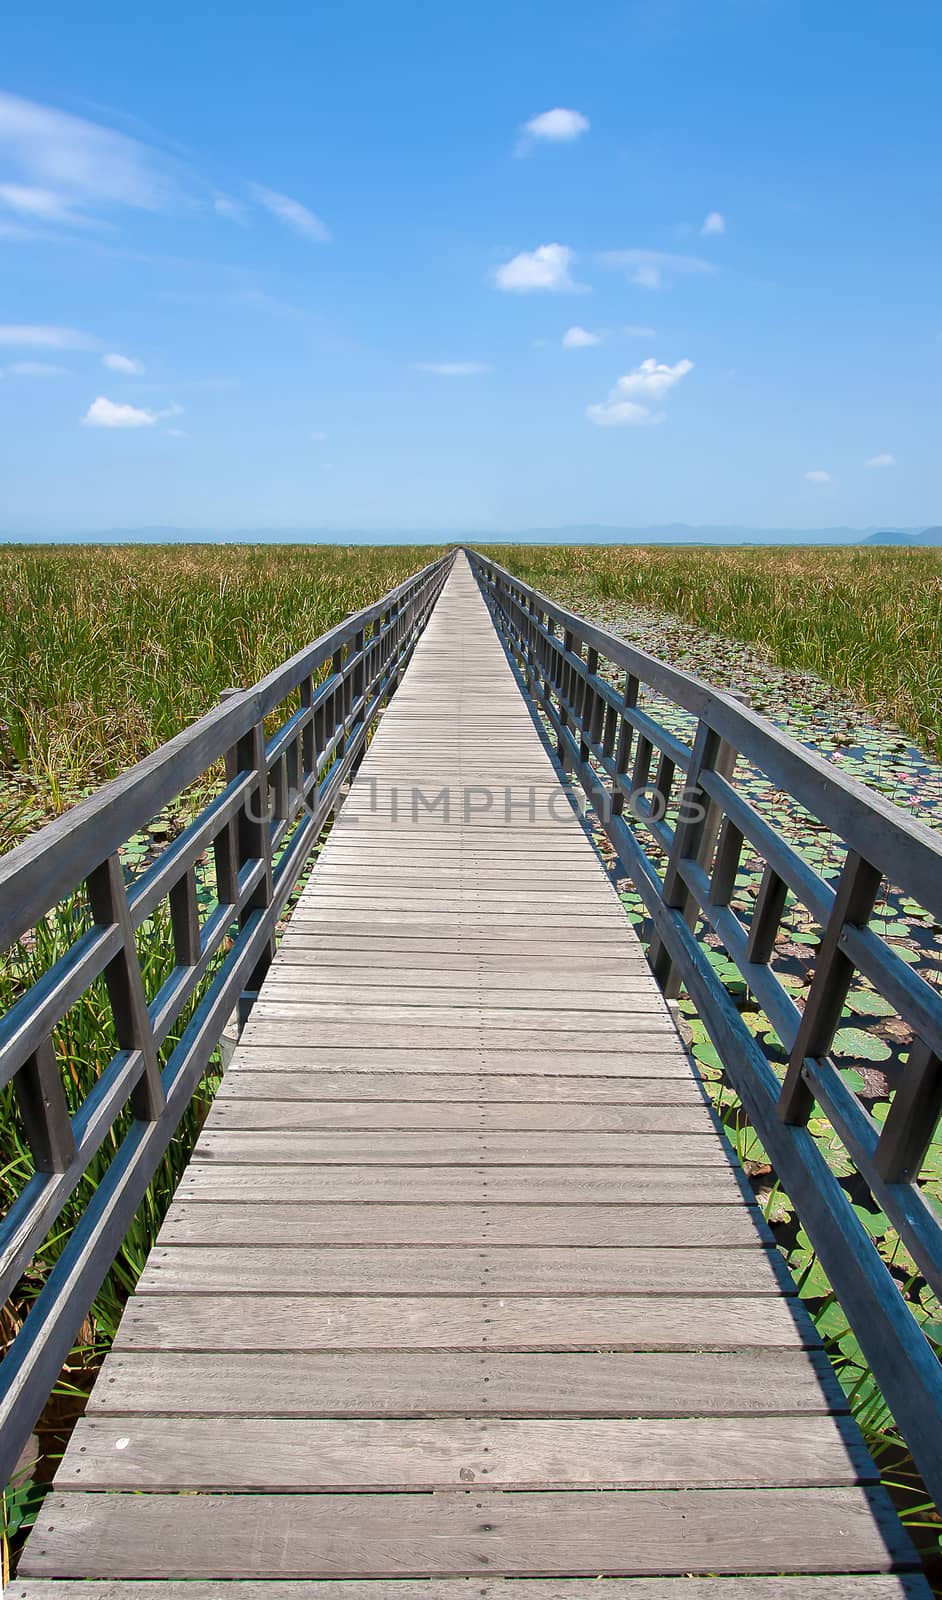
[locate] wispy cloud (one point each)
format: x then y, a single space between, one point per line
232 210
651 269
818 475
45 336
577 338
882 460
123 364
36 369
635 397
104 413
547 268
39 205
67 168
452 369
633 330
292 213
713 222
559 126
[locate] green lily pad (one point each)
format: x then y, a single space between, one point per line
860 1044
867 1003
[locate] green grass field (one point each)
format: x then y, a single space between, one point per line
866 620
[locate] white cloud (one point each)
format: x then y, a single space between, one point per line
66 165
883 460
633 331
818 476
122 364
39 336
36 369
559 126
546 267
713 222
104 413
577 338
292 213
452 369
634 398
650 268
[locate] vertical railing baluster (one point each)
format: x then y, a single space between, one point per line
357 738
587 699
107 897
40 1095
854 900
252 845
695 835
766 916
728 854
185 920
623 742
911 1121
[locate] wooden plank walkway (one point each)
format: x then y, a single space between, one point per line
460 1242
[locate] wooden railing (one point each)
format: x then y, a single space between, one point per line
679 825
260 828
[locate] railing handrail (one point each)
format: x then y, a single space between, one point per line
261 828
601 731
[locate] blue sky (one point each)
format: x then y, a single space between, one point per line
313 267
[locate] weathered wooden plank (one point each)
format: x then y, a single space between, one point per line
453 973
252 1222
491 949
750 1382
642 1011
606 960
866 1586
478 999
251 1076
180 1453
433 1270
699 1187
451 1534
628 1061
487 1148
451 1116
270 1321
363 1034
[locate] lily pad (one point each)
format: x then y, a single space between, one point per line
861 1045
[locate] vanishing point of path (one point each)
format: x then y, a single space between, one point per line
461 1283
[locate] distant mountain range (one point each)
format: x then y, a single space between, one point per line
914 540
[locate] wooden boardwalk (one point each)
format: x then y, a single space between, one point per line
460 1223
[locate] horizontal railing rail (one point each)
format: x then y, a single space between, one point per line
656 752
259 829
